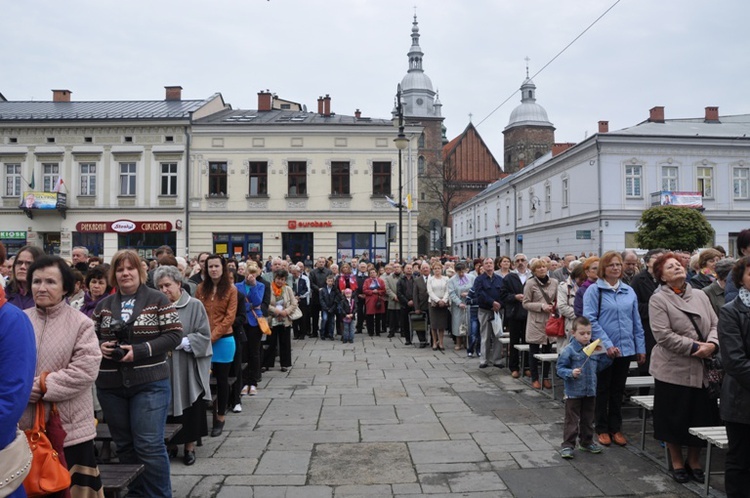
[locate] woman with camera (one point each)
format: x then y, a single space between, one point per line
137 326
189 363
67 364
219 296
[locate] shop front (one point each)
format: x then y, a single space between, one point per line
143 236
238 245
13 240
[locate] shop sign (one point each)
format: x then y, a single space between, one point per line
124 226
13 235
294 224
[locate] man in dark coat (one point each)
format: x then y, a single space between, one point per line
511 293
644 284
317 281
361 275
405 293
422 300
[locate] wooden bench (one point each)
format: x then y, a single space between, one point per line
715 436
117 477
103 433
550 358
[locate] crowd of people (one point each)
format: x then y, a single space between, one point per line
135 342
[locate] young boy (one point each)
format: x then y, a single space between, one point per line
580 389
329 303
348 309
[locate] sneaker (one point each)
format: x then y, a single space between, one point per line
470 354
253 391
567 453
237 408
483 365
245 390
591 448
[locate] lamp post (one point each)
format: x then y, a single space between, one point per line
401 143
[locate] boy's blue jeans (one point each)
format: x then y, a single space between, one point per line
328 322
475 340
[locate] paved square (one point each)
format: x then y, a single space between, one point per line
361 464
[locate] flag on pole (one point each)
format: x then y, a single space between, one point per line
31 184
58 184
408 202
589 350
391 201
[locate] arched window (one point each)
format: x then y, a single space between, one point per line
421 141
420 165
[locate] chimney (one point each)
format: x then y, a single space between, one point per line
320 105
61 95
656 114
173 93
357 114
712 114
603 126
560 148
327 106
265 100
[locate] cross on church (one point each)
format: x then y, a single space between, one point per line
470 115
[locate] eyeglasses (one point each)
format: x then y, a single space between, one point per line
520 260
24 263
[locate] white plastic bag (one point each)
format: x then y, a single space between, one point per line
497 325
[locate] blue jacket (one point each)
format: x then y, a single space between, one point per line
487 290
617 322
259 296
572 356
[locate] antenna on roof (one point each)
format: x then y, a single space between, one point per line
527 65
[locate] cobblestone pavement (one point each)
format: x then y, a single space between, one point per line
379 418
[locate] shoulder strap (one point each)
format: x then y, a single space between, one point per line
544 294
599 309
695 325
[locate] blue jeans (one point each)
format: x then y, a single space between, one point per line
475 338
136 418
349 330
327 323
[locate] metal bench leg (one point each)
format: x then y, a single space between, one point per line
643 429
708 468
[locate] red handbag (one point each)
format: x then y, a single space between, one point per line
49 472
555 326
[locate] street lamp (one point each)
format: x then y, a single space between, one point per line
401 143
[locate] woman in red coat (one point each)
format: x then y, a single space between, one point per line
374 290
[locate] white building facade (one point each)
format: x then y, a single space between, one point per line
588 198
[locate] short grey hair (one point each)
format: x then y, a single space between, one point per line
82 248
723 267
168 272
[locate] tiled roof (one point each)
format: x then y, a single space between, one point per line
281 117
126 109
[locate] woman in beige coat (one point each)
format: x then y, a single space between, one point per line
684 326
539 296
283 304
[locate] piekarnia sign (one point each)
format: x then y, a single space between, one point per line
123 226
294 224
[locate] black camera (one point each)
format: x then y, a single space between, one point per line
122 332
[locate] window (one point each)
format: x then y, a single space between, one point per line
507 212
420 165
127 178
381 178
565 192
258 178
519 206
420 142
547 198
740 180
297 178
705 177
633 181
13 179
217 179
168 179
485 221
88 179
669 179
51 174
340 178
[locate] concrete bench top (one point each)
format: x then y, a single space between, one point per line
640 381
714 435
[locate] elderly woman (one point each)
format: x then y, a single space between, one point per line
374 290
539 297
612 308
17 363
17 292
459 286
219 297
439 298
706 273
281 306
137 326
734 341
68 358
189 364
684 326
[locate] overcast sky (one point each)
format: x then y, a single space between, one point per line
682 54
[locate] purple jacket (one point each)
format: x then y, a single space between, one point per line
23 301
89 304
578 301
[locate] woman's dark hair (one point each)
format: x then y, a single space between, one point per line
460 266
35 252
280 274
739 270
578 272
68 280
743 241
658 267
206 288
99 272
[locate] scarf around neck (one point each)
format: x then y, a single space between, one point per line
276 289
744 296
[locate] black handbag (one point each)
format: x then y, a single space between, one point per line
713 367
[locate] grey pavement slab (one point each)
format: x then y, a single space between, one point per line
284 462
403 432
361 464
445 452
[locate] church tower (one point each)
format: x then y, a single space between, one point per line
422 107
529 134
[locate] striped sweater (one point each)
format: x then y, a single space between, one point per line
155 330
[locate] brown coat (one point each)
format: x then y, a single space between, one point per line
221 313
674 334
533 300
